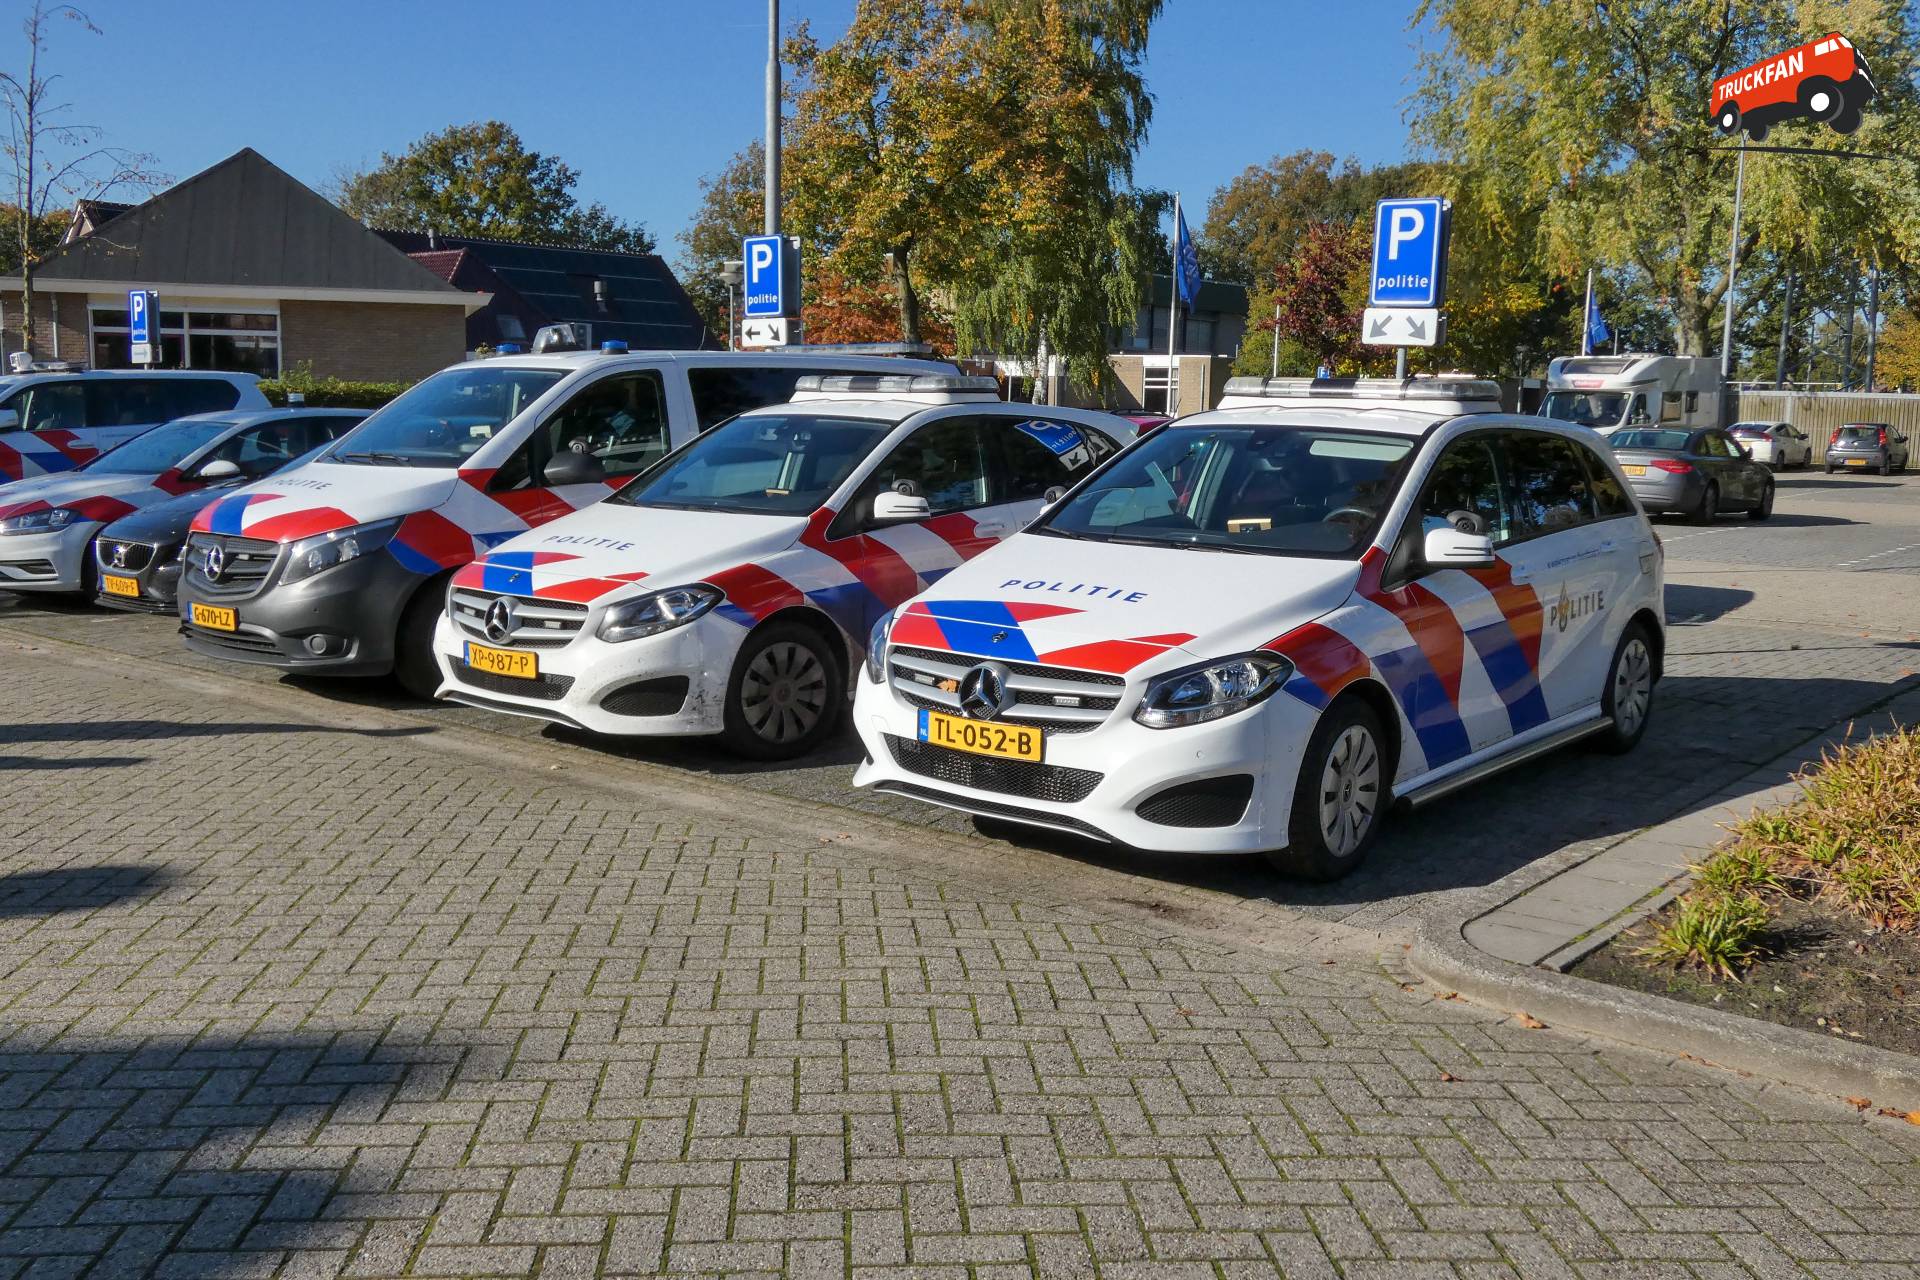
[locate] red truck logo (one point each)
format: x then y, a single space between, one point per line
1825 80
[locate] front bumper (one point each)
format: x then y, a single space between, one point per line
354 608
1114 771
51 561
673 684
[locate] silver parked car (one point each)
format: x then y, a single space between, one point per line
1780 445
1697 473
1862 446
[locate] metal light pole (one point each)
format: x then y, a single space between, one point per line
1786 320
1733 263
1276 341
1873 323
773 118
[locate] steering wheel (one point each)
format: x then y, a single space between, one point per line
1467 521
1357 515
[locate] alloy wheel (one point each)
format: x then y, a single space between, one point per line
1632 686
1349 791
783 693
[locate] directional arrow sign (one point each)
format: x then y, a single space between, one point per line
758 331
1402 327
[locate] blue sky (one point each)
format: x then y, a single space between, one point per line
644 97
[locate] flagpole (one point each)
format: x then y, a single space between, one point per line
1173 316
1586 319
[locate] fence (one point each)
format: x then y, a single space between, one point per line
1820 413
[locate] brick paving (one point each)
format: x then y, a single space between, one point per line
280 997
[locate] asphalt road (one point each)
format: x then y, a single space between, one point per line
1779 629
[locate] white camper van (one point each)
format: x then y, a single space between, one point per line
1606 392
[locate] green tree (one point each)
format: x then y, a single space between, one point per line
1254 222
1594 112
732 202
481 180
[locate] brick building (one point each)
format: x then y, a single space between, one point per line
256 273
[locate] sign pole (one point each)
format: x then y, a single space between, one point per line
772 222
1586 319
1733 262
1173 317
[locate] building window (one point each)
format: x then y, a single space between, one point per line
1159 389
229 341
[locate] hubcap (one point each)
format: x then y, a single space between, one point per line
1632 686
1819 102
783 693
1349 791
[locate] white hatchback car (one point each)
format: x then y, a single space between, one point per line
728 589
1259 626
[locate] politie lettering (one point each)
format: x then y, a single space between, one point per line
1078 588
582 540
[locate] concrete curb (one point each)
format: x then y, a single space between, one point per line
1442 955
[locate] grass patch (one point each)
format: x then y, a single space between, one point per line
1852 839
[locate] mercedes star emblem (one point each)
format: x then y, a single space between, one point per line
499 620
215 563
984 694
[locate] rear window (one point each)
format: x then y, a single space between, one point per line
1676 441
1867 435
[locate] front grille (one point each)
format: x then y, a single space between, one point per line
1053 783
991 809
248 562
546 688
661 696
538 624
123 557
237 641
1055 699
1211 802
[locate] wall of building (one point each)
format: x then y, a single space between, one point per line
372 341
69 335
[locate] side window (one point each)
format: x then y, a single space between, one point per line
264 449
198 395
1036 455
1610 497
53 406
621 420
1714 445
1465 482
130 402
1637 413
945 461
721 391
1547 484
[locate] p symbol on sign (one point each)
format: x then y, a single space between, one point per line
762 258
1403 224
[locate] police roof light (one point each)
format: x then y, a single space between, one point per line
509 349
613 347
1415 388
897 383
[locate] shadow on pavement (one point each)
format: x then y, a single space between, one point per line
141 730
1689 606
146 1158
1815 482
27 764
46 893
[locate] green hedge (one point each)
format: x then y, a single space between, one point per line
329 393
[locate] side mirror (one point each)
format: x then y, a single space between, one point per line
568 467
1452 549
220 469
892 508
1054 494
9 420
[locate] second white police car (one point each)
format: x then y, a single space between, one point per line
1259 627
728 588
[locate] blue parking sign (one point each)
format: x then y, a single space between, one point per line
1409 253
771 279
143 325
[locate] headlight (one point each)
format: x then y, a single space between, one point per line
309 556
40 521
655 612
877 647
1195 695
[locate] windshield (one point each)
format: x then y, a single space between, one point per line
446 419
760 464
1588 408
1673 441
1271 490
155 451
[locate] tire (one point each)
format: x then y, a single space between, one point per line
1765 510
1345 760
415 669
89 573
785 696
1886 467
1847 118
1628 698
1829 468
1709 506
1728 121
1757 132
1821 86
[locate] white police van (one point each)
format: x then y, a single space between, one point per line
55 415
729 589
1261 625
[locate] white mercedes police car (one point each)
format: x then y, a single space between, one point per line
728 588
1261 625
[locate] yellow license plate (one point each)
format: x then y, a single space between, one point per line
115 585
982 738
214 618
1634 470
1856 462
503 662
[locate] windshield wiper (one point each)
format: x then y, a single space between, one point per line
378 459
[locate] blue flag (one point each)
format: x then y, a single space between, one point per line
1187 279
1597 331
